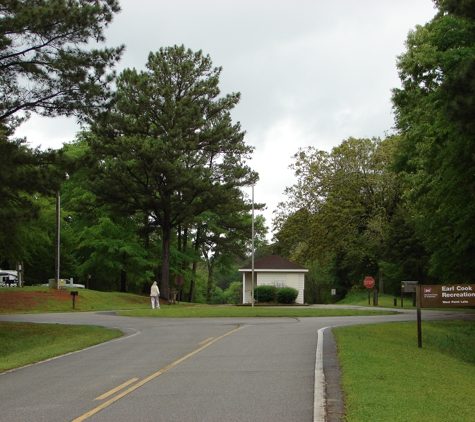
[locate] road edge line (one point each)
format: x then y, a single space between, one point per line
319 399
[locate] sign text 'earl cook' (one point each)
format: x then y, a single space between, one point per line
448 295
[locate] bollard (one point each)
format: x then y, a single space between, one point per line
74 294
375 298
395 302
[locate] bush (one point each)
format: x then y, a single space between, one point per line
233 293
217 296
287 295
265 294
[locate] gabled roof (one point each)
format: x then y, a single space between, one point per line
273 263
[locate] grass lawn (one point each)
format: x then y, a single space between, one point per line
186 310
24 343
386 377
384 300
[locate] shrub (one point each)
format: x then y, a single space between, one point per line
265 293
233 293
287 295
217 296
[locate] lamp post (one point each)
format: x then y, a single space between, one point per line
58 227
252 255
58 231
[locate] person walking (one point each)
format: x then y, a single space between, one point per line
155 295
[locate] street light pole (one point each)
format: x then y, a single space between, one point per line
58 227
58 231
252 255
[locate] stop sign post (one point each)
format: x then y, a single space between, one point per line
369 283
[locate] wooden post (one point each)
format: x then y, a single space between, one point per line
419 325
375 298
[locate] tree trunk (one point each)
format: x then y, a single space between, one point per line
123 275
165 282
195 265
181 290
123 281
191 296
210 263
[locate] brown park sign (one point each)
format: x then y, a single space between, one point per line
447 295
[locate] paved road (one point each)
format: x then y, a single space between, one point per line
219 369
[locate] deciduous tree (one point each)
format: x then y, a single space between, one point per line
341 206
434 111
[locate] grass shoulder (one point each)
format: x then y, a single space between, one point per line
385 376
25 343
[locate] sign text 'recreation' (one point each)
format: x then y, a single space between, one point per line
448 295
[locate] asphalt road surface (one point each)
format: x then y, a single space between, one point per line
212 369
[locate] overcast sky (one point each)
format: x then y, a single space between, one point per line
310 72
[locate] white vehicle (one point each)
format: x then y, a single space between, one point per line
8 278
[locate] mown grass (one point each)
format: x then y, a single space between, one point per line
190 311
386 377
384 300
24 343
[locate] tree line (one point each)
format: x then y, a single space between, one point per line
403 207
155 176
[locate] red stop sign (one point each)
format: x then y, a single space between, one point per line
369 282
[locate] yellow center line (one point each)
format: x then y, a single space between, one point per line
120 387
206 341
150 378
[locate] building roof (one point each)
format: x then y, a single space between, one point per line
273 263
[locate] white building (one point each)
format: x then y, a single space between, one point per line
273 270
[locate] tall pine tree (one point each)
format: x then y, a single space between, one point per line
168 147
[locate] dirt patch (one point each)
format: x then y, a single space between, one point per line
25 301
